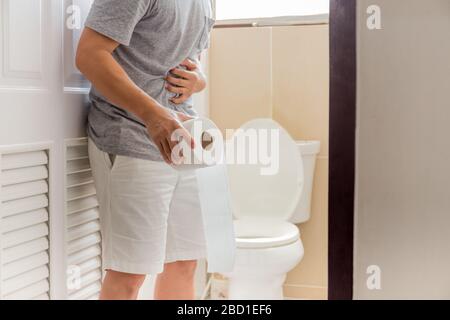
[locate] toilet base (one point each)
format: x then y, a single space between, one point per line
259 274
256 288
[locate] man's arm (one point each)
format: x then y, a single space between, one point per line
94 59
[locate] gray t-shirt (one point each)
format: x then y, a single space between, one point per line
155 36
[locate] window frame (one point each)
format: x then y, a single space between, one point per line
271 21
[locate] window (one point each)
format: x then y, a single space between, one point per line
256 9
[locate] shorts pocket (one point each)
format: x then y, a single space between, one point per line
204 39
111 160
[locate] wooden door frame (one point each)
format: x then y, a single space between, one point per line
343 77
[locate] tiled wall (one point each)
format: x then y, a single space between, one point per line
283 73
240 76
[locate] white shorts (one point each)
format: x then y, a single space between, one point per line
149 213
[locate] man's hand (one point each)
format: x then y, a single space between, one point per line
185 82
161 125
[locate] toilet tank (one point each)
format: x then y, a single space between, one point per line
309 151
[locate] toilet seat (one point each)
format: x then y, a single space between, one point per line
252 233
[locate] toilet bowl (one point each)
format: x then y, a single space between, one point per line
266 209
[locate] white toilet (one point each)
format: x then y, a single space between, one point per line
266 209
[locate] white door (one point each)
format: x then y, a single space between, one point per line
48 209
49 230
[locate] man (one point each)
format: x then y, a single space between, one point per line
142 57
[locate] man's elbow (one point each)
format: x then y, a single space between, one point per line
81 59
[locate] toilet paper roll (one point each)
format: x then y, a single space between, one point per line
209 146
207 161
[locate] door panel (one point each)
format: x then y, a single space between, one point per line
24 46
24 224
83 248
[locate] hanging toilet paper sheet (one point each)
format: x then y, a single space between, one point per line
207 159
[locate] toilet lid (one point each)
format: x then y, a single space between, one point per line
269 182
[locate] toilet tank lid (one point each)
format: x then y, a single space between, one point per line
308 147
256 191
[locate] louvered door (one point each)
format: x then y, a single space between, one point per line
24 239
83 228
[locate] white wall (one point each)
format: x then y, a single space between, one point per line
403 150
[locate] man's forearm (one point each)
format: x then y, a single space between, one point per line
113 83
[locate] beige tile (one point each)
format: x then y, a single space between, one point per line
312 270
301 81
305 293
241 76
